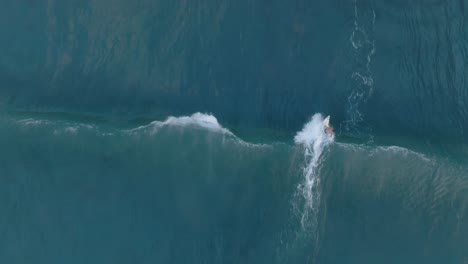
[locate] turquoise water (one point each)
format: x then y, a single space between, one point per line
191 132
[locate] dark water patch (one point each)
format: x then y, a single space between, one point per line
265 64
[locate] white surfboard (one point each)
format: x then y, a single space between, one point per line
326 122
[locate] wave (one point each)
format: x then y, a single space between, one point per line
205 121
197 120
32 122
311 142
58 127
191 180
370 150
202 121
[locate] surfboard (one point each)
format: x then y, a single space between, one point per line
326 122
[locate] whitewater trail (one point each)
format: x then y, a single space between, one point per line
363 45
313 139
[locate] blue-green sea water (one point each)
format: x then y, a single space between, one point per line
157 131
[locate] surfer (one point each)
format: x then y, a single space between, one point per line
327 128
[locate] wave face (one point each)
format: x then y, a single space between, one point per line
184 131
188 190
383 67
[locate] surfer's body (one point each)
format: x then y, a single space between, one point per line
326 126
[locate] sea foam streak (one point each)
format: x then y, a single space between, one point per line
58 127
314 140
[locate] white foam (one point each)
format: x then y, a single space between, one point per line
206 121
32 122
314 140
363 41
58 127
71 130
372 151
400 151
313 133
201 120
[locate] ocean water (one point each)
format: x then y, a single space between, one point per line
191 131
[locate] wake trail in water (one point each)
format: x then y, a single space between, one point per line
314 140
363 47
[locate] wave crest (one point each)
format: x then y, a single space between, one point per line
202 120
